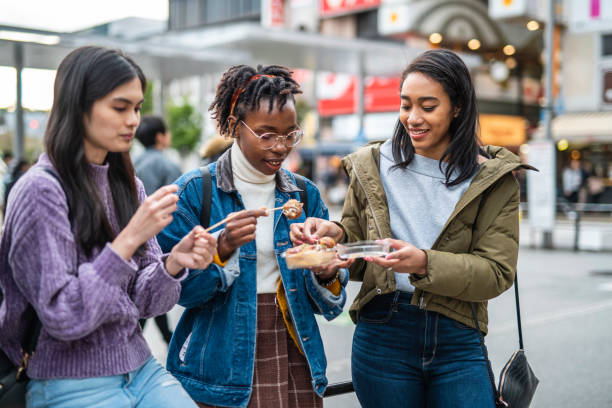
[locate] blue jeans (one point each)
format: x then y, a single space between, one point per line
149 386
407 357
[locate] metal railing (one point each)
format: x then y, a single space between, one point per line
339 389
575 213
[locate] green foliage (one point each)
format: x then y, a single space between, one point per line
185 123
147 105
302 108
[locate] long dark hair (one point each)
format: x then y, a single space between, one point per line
238 93
84 76
446 68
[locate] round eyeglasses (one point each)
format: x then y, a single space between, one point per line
269 139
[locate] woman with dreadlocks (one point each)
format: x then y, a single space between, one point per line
248 336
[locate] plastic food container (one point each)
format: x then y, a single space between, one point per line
362 248
309 258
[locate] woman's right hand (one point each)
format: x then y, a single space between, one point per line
239 230
150 218
314 229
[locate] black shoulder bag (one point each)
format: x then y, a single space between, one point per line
517 382
13 379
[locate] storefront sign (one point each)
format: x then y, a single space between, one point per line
336 94
502 130
272 13
333 7
590 15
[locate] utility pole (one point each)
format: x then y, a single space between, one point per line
547 239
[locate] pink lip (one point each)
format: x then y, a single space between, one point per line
414 135
274 167
129 136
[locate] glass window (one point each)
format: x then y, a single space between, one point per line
606 45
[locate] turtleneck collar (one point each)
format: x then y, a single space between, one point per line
244 170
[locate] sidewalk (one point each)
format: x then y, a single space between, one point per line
594 234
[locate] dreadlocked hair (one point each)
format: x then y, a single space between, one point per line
279 86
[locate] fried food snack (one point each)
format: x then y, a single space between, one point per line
292 209
327 242
308 256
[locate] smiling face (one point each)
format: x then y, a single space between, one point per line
426 113
112 121
261 121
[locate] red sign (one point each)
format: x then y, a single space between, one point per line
331 7
382 94
336 94
273 13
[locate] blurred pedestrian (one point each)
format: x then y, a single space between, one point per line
7 157
16 171
595 184
248 319
573 180
449 209
155 170
79 246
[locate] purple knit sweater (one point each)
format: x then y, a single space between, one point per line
89 306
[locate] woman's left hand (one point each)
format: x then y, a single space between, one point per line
195 251
405 259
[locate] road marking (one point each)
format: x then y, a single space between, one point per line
553 317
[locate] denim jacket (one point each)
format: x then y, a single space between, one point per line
212 351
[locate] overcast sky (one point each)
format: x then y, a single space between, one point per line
71 15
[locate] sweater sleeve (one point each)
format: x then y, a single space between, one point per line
71 298
154 291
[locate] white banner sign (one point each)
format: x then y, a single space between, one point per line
541 186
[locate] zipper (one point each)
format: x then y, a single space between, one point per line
367 198
503 376
422 303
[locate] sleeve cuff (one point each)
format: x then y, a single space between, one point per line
179 276
112 267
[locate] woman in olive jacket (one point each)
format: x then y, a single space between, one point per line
454 233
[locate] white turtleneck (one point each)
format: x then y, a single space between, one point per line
258 189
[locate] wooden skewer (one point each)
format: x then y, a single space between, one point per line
223 221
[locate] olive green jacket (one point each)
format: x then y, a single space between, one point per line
466 263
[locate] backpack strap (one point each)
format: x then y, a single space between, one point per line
206 196
301 183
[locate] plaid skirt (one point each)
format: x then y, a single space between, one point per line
282 376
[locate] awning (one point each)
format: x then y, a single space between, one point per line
587 127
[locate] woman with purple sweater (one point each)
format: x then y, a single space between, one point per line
79 246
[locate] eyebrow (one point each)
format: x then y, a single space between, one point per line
126 100
420 99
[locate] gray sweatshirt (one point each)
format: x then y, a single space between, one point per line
419 201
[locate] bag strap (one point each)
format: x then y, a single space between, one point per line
477 325
206 196
301 183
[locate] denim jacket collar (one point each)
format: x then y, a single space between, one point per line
225 176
